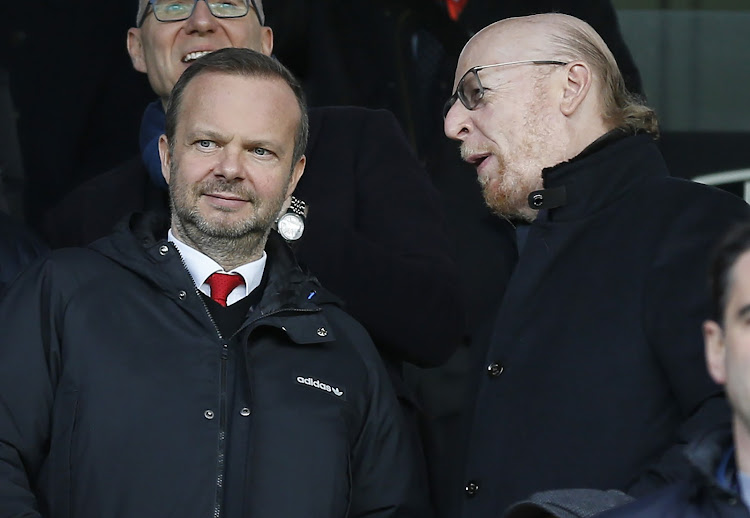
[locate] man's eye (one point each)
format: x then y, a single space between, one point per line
260 151
474 95
206 144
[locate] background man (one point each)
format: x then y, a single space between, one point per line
721 458
169 369
593 369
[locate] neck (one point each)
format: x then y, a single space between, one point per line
230 251
741 443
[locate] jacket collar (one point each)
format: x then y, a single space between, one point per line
139 244
153 124
591 181
712 457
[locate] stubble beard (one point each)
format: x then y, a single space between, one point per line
506 194
506 189
229 243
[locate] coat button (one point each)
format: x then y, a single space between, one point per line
471 488
163 249
208 414
245 412
182 295
322 331
494 370
536 201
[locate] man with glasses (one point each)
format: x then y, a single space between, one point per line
593 374
370 205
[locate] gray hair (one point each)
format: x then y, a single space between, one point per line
622 109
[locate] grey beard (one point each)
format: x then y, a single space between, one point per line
230 247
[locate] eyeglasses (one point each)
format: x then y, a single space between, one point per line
178 10
470 90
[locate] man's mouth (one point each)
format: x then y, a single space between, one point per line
225 201
192 56
477 160
225 196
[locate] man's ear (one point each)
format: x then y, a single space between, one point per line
266 40
135 49
716 351
578 81
165 156
297 171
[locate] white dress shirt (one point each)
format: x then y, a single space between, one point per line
201 267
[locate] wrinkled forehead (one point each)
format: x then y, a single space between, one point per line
500 42
143 4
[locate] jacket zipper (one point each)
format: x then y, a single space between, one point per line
220 458
220 462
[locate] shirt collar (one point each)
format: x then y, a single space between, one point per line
200 266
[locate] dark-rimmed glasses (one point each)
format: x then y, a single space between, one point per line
178 10
470 90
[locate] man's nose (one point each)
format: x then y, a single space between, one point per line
457 121
230 164
201 20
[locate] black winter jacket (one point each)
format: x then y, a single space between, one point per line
119 398
595 374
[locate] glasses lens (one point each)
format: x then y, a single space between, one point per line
172 10
449 104
470 90
229 8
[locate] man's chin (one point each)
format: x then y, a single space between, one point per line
507 207
221 226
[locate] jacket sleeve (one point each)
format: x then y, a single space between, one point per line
391 262
28 352
387 472
676 304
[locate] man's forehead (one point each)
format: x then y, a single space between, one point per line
267 94
738 288
499 40
219 81
487 47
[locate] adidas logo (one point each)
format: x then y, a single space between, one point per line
320 385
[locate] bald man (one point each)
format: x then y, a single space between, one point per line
593 375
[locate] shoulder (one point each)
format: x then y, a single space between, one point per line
689 189
128 175
91 209
58 278
687 206
18 247
348 329
674 501
353 336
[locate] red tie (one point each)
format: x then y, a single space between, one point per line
222 285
